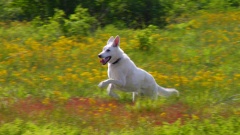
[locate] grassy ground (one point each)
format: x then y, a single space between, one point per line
48 84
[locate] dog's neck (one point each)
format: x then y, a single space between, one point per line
116 61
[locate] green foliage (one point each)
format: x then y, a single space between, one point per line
32 9
9 12
79 23
146 41
52 28
121 13
176 7
132 15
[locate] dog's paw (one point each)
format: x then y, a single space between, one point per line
102 84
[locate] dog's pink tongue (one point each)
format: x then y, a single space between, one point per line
102 61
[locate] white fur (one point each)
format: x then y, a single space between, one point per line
126 76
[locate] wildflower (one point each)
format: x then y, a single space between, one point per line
176 85
16 74
112 105
91 79
237 113
62 99
47 79
96 114
108 109
195 117
185 115
100 109
236 76
163 114
60 78
46 101
69 69
92 101
57 93
3 72
85 74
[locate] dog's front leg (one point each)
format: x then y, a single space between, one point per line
108 81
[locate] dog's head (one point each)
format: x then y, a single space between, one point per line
111 52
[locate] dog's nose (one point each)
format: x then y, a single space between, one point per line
99 55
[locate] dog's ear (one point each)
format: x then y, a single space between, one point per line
116 41
110 40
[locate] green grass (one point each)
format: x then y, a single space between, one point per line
216 125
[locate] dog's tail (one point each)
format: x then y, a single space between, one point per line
167 91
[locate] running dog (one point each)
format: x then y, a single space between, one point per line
124 75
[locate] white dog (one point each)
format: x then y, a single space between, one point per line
124 75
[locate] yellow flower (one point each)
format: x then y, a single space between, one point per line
195 117
92 101
163 114
46 101
236 76
177 84
91 79
57 93
3 72
69 69
47 79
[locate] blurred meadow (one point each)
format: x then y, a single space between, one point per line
48 78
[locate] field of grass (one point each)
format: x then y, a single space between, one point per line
48 82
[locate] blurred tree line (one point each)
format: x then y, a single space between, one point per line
99 13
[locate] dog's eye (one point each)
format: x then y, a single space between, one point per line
108 50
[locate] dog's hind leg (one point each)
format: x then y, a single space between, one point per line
134 96
111 92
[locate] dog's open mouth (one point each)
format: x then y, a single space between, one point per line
105 60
